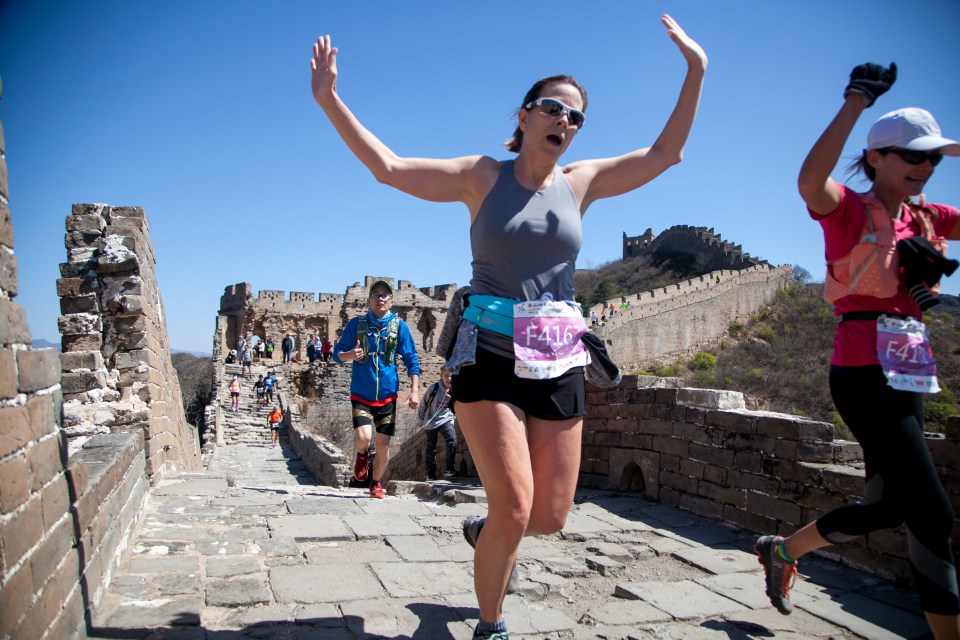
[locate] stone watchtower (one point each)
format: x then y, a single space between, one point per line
699 247
633 246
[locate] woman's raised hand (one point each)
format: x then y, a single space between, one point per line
323 67
871 81
692 52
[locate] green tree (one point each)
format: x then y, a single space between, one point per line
602 292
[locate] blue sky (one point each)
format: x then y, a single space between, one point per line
201 113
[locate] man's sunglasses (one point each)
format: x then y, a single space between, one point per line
555 108
380 296
913 157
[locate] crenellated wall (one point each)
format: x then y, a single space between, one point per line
687 316
117 371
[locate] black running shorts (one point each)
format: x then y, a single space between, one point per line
492 378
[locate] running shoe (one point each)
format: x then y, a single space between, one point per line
361 467
779 574
376 490
471 533
491 635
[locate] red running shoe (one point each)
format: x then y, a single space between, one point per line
361 467
376 490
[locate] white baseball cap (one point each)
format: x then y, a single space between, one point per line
910 128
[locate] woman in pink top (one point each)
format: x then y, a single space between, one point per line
879 398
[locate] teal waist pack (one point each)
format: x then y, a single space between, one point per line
491 313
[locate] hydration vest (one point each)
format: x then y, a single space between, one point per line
872 268
388 343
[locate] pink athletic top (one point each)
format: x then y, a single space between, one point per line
855 341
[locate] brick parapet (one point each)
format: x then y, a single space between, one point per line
112 306
328 464
410 462
109 484
764 472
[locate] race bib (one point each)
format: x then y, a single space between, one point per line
903 347
546 339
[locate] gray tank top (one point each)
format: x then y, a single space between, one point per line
525 243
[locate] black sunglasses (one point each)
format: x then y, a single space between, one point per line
555 108
914 157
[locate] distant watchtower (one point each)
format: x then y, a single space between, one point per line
634 246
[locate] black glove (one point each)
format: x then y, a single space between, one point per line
871 80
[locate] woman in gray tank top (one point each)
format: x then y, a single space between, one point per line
524 435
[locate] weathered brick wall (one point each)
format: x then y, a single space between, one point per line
328 464
64 519
410 462
765 472
117 371
690 315
40 596
109 488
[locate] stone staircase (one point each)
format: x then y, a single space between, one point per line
249 424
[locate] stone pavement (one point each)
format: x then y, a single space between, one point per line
253 548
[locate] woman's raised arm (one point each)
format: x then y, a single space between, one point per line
613 176
817 188
437 180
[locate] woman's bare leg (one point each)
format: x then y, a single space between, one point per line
497 438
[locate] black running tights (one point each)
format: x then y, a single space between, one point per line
901 484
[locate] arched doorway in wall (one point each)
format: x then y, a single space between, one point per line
257 343
631 479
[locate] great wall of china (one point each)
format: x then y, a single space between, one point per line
86 434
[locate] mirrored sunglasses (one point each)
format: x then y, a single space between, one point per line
555 109
914 157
